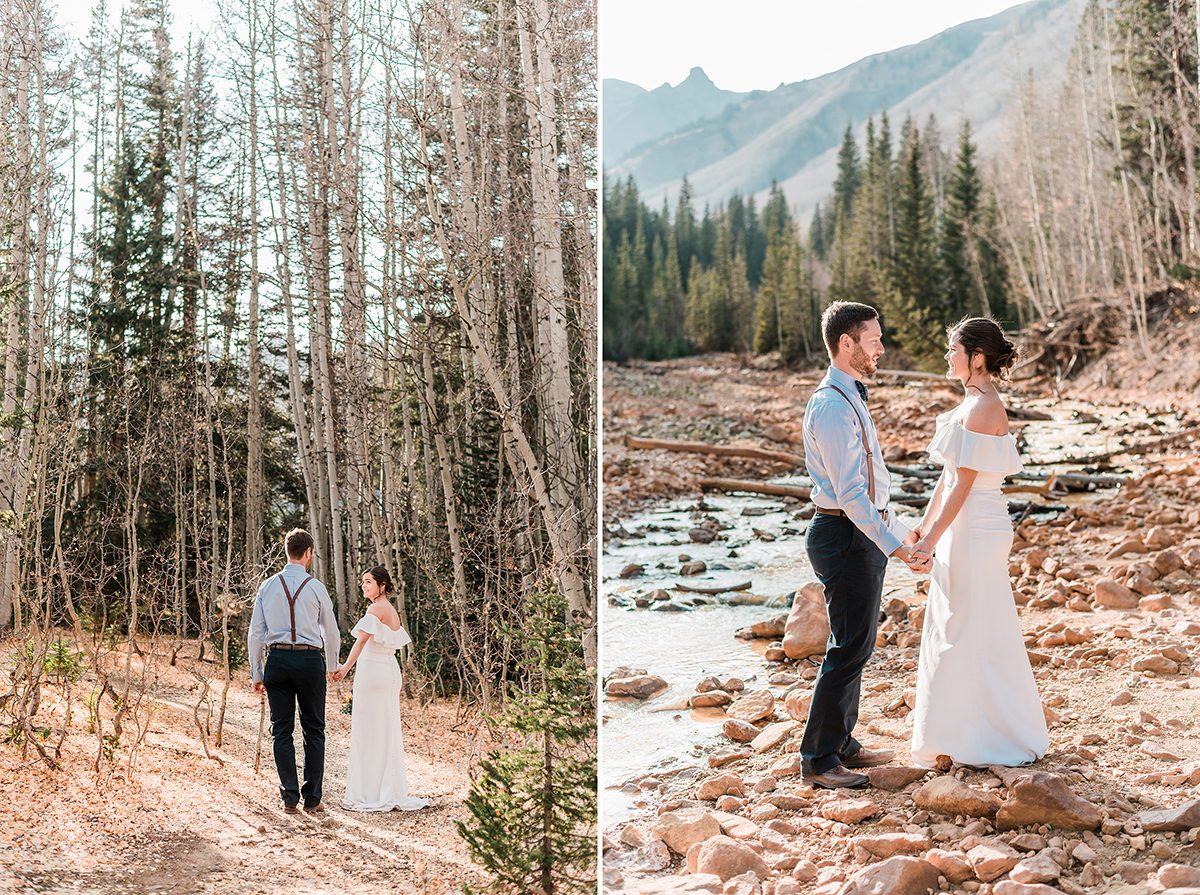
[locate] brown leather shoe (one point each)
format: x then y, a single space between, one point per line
837 777
318 808
291 809
868 758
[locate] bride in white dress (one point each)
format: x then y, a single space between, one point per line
977 701
375 777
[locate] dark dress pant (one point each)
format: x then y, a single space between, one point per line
296 678
851 567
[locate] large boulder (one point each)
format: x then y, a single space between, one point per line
900 875
681 830
726 858
807 629
949 795
1036 797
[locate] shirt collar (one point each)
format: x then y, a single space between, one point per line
842 378
297 567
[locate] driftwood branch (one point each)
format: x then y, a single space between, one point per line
734 485
715 589
720 450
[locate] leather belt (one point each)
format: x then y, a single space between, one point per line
834 511
292 646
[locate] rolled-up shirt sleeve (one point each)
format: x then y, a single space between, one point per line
845 463
329 630
256 638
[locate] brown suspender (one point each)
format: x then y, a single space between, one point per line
866 446
292 600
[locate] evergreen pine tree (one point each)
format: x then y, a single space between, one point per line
533 809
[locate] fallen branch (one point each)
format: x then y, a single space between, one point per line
1135 450
734 485
715 589
720 450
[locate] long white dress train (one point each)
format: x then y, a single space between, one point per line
375 777
977 701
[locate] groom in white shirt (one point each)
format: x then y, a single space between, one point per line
849 541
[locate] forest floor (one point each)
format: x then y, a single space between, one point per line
1123 730
168 819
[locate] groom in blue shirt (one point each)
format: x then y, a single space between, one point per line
293 622
849 541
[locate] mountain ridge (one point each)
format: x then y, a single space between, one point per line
790 134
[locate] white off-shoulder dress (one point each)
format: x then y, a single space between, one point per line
977 701
375 777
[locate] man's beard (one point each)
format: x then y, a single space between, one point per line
861 362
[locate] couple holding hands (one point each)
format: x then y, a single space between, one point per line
976 701
294 625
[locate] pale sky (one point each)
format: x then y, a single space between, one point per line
757 44
196 16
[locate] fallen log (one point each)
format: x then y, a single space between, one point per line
713 590
1027 413
1134 450
720 450
734 485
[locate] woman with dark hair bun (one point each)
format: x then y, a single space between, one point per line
376 779
977 701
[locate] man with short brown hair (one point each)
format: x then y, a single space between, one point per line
293 622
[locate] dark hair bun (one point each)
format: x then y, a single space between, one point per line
983 335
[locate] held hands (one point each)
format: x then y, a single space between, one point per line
258 687
916 553
339 673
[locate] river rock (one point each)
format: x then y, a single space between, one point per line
773 734
1171 820
742 884
1036 797
692 884
1114 595
720 785
893 779
1011 887
695 567
1036 869
753 705
728 755
1167 561
726 858
709 683
701 535
739 731
1179 876
681 830
641 686
710 698
900 875
767 629
949 795
659 596
807 629
991 860
796 703
633 570
1155 664
849 811
888 844
951 864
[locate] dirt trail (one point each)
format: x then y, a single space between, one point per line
183 823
